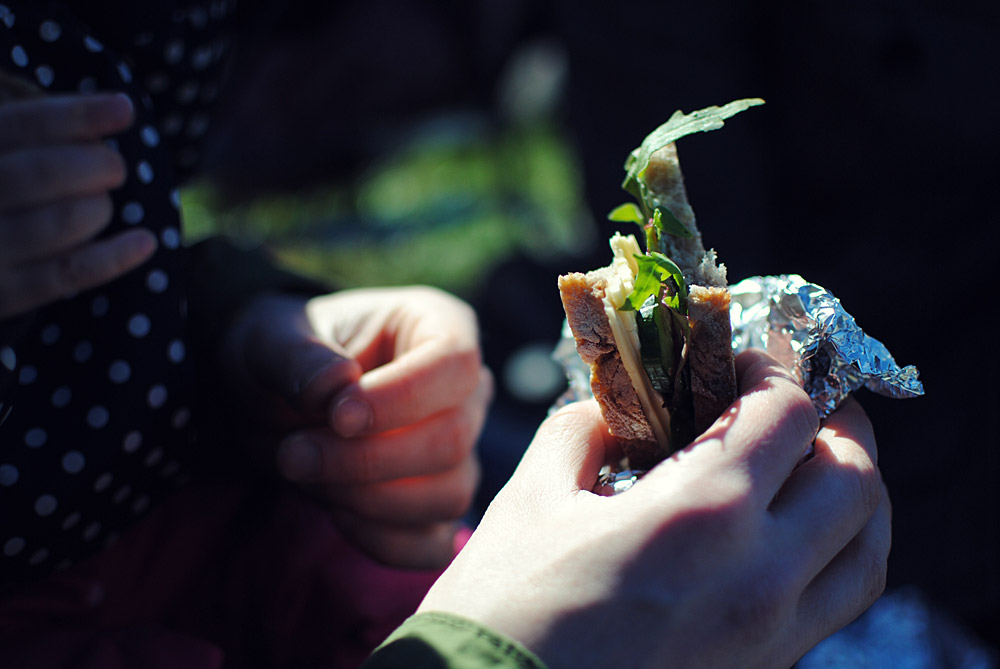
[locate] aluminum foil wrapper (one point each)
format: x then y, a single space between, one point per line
806 328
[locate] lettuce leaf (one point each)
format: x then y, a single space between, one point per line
679 125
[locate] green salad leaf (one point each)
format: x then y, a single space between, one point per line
655 270
680 125
627 213
665 221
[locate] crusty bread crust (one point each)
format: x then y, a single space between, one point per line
710 354
583 300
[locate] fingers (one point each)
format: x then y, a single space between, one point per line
840 485
34 285
63 119
432 446
760 439
416 500
38 232
853 580
424 358
424 547
40 176
283 356
567 452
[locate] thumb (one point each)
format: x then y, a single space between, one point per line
568 451
290 361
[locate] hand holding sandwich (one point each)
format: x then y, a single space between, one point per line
373 400
725 554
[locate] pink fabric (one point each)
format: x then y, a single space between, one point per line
222 575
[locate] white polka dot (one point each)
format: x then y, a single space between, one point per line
157 396
98 417
133 212
92 45
8 475
150 137
71 520
49 31
181 418
171 237
87 85
99 306
124 72
132 442
50 334
13 546
138 325
157 281
6 16
187 93
140 504
103 482
176 351
157 83
44 75
91 531
144 171
19 55
35 437
27 375
153 457
122 494
173 52
73 462
38 557
175 198
61 397
83 351
201 58
8 358
46 505
119 371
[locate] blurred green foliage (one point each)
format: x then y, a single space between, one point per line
441 211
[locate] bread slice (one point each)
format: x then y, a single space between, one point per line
635 413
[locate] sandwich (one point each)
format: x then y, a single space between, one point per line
653 326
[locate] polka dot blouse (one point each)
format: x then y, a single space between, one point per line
95 410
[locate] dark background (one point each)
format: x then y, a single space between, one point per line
871 170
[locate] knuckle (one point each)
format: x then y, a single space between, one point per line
866 485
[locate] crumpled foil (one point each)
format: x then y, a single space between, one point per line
807 329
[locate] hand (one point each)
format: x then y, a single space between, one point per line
724 555
376 398
55 176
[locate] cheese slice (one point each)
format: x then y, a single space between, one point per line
623 327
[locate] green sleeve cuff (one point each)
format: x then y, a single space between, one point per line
438 640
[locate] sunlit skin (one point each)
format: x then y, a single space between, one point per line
728 554
372 400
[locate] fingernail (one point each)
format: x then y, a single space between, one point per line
298 459
351 417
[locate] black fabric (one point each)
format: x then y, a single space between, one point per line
97 406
